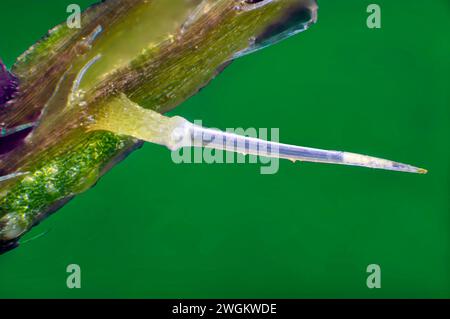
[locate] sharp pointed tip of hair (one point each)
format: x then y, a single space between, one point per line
422 171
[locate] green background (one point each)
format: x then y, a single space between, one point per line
151 228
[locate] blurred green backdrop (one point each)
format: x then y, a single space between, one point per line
151 228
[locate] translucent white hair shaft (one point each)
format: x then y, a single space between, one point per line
122 116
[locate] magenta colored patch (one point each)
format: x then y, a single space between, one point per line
8 85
